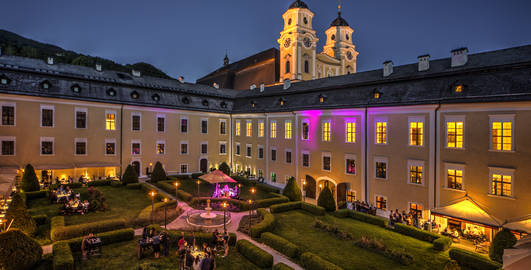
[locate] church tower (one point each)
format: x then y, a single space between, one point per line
297 43
339 44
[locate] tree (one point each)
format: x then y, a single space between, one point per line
158 173
503 240
129 176
292 190
224 167
19 214
326 200
18 251
29 180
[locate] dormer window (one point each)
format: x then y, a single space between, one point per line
4 80
205 102
322 98
76 88
223 104
135 95
155 97
46 85
253 104
185 100
459 88
111 92
376 94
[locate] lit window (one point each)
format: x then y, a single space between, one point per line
415 174
351 196
261 128
381 132
416 130
458 88
305 130
381 169
8 115
249 128
381 202
416 209
110 121
110 148
184 168
222 127
502 185
287 130
350 129
160 148
454 134
135 148
455 179
273 129
350 166
238 128
326 131
502 135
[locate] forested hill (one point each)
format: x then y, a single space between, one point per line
13 44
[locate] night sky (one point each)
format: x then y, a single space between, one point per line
190 38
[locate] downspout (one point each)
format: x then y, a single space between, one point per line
266 151
436 152
366 148
121 137
230 142
296 138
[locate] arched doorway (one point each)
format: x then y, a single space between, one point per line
342 192
203 165
326 182
310 186
136 167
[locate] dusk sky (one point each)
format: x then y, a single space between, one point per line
189 38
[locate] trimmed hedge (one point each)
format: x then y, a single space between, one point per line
40 219
267 224
144 217
504 239
129 175
283 207
416 233
281 266
133 186
292 190
473 260
19 214
147 189
62 256
375 220
255 254
270 201
281 245
268 188
311 261
68 232
18 250
36 194
342 213
314 209
106 238
98 183
116 184
200 237
56 223
442 243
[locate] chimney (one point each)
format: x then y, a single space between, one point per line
181 79
459 57
262 86
287 84
253 86
388 68
424 62
136 73
98 67
50 60
215 85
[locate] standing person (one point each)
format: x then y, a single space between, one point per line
197 262
189 260
181 241
156 246
212 261
165 242
191 240
206 263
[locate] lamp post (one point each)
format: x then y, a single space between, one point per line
250 216
165 200
176 184
224 218
152 193
198 182
303 190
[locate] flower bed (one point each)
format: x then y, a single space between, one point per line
378 246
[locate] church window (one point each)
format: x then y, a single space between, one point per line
289 21
306 66
347 37
287 67
305 20
333 37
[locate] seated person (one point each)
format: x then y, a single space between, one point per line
86 206
86 244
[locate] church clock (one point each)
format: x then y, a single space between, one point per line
307 42
287 42
349 55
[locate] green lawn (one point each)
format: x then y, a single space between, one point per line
122 256
297 227
206 189
122 202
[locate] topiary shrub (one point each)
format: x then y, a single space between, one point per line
503 239
158 173
116 184
224 167
255 254
326 200
18 251
29 180
292 190
313 209
96 200
129 176
442 243
283 207
19 214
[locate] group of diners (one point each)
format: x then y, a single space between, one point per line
70 201
153 240
362 206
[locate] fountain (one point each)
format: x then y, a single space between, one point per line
207 218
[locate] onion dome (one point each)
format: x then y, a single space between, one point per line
298 4
339 21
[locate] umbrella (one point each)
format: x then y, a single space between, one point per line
217 176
